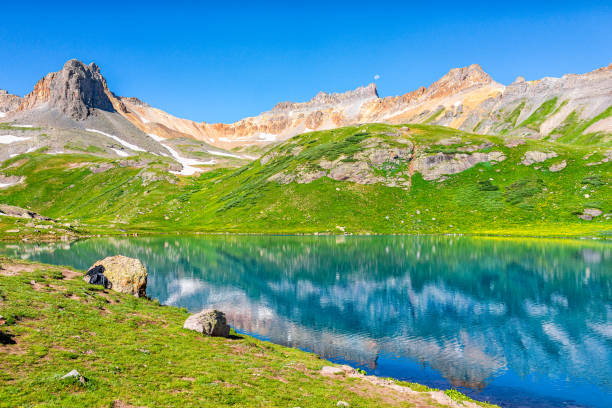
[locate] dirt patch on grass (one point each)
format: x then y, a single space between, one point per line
14 269
68 274
37 286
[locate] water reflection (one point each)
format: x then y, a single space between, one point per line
513 321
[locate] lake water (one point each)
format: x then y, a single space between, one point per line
515 322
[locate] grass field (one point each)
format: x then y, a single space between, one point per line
506 198
134 351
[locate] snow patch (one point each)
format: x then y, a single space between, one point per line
118 139
2 114
188 169
23 126
156 138
8 139
216 153
120 152
266 137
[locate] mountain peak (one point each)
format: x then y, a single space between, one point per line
76 90
458 79
324 99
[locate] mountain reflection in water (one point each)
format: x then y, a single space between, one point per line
514 321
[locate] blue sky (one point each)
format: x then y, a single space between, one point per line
221 61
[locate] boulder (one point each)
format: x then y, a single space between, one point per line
126 275
210 322
532 157
13 211
593 212
558 166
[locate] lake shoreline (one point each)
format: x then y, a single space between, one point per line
63 283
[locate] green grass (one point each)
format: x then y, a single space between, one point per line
535 120
519 200
572 129
434 116
8 126
88 149
136 351
511 119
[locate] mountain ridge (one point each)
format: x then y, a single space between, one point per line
465 98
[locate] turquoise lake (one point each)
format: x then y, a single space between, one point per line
517 322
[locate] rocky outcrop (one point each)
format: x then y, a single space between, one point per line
378 162
209 322
14 211
8 102
77 90
126 275
532 157
433 167
10 181
558 166
589 213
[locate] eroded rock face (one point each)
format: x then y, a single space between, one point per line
8 102
210 322
432 167
76 91
377 163
126 275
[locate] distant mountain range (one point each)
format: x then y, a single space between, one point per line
465 155
467 98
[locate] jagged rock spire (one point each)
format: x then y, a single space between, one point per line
76 90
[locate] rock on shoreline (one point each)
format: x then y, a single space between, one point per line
126 275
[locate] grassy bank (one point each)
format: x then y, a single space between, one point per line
103 196
134 351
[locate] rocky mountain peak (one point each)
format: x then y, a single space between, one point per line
458 79
325 100
77 90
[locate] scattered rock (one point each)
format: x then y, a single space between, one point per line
100 168
210 322
589 213
537 157
450 141
515 143
558 166
126 275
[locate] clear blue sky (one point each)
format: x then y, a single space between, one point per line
222 61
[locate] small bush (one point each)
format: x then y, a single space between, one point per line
518 192
486 185
594 180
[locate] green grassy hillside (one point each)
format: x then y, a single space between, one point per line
134 352
291 188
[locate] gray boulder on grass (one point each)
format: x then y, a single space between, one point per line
210 322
